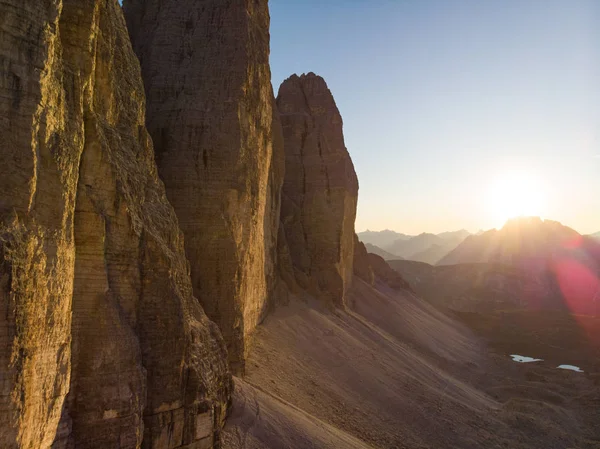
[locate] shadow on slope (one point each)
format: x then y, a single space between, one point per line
480 287
409 319
393 372
262 420
557 337
348 372
515 313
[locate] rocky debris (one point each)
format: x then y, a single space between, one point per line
254 412
205 66
320 189
103 342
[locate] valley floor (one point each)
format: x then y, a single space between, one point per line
394 372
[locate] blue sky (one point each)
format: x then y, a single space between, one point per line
443 99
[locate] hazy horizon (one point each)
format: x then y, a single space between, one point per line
471 231
445 103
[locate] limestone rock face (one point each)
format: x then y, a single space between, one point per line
205 65
102 341
320 188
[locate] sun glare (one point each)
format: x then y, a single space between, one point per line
515 195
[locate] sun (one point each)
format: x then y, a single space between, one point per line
514 195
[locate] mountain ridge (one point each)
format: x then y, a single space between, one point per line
381 252
524 237
427 247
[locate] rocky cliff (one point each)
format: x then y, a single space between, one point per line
103 343
361 264
387 274
205 66
372 267
320 189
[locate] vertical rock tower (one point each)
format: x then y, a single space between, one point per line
320 190
102 342
205 65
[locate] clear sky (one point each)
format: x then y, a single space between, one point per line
446 101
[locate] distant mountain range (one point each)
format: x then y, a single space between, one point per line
425 247
526 241
434 253
374 249
529 262
381 238
552 263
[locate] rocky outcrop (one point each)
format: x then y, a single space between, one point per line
205 66
371 268
103 343
320 188
361 264
387 274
